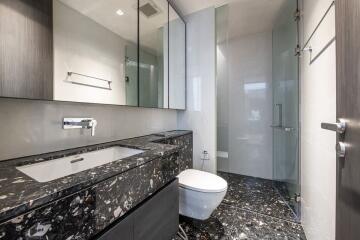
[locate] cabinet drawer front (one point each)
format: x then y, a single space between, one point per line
124 230
158 218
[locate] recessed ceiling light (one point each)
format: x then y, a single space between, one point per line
119 12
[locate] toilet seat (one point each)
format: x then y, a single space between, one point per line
201 181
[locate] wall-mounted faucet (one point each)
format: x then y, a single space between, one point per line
87 123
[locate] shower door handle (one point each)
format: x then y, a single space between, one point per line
339 127
279 105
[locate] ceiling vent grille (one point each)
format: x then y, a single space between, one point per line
149 9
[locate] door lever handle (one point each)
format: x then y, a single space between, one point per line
339 127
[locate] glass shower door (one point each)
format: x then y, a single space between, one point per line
286 106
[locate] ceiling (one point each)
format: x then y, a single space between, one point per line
247 17
241 17
191 6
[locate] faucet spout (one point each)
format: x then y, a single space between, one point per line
93 125
87 123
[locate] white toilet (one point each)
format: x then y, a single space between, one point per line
200 193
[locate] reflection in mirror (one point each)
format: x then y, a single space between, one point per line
95 51
153 76
177 61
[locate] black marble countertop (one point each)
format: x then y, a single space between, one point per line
20 193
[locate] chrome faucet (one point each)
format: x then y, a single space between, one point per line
86 123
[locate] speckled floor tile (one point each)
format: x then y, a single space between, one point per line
256 194
252 209
284 190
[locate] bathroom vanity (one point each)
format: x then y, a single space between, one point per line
125 53
133 195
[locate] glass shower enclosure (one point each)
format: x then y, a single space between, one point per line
258 97
286 167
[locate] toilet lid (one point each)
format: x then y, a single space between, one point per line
201 181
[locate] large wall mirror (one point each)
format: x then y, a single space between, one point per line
95 51
120 52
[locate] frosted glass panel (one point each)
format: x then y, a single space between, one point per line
244 96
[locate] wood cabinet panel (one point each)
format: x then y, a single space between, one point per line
158 218
26 49
124 230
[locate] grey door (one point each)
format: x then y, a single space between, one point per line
348 110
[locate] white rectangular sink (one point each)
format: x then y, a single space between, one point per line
61 167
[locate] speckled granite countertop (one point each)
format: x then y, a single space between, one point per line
20 193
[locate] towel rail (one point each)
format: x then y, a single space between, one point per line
317 26
89 85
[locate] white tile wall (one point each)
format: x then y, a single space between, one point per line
201 88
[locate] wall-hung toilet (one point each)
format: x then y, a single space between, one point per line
200 193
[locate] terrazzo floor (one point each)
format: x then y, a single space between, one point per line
252 209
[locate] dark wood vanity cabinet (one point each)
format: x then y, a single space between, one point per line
26 49
124 230
156 219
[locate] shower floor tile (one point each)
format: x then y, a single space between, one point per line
252 210
258 195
